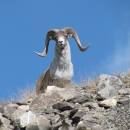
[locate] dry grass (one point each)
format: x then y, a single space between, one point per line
24 95
125 77
89 82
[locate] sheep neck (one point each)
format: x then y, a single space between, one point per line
62 67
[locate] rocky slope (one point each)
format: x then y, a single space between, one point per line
105 106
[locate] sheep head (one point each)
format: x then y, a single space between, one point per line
61 37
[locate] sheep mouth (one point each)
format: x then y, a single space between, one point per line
62 46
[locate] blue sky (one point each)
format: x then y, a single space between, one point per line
24 24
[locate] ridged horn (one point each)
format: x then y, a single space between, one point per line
49 36
71 31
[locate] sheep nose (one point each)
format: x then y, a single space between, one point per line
60 42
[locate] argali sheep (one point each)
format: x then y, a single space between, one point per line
60 71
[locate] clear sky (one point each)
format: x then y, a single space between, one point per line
24 24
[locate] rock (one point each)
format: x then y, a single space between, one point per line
24 107
64 114
97 127
56 126
72 112
102 107
125 79
62 106
55 119
69 93
50 110
49 100
20 102
5 124
79 114
108 86
91 105
80 99
125 91
25 119
67 125
83 125
124 101
93 117
48 116
17 113
9 109
108 103
40 123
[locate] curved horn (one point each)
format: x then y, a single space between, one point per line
71 31
49 36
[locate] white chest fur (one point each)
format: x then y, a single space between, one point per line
62 67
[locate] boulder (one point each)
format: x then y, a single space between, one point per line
5 124
25 119
9 109
52 98
17 113
108 86
39 123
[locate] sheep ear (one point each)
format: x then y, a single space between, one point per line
69 35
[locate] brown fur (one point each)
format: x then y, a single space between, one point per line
45 80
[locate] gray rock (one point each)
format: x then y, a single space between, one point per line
125 91
24 107
124 101
69 93
9 109
93 117
80 99
79 114
49 99
62 106
20 102
50 110
108 86
48 116
40 123
64 114
56 126
90 105
84 125
72 112
25 119
66 125
97 127
5 124
55 119
17 113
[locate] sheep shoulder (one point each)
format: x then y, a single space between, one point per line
46 80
